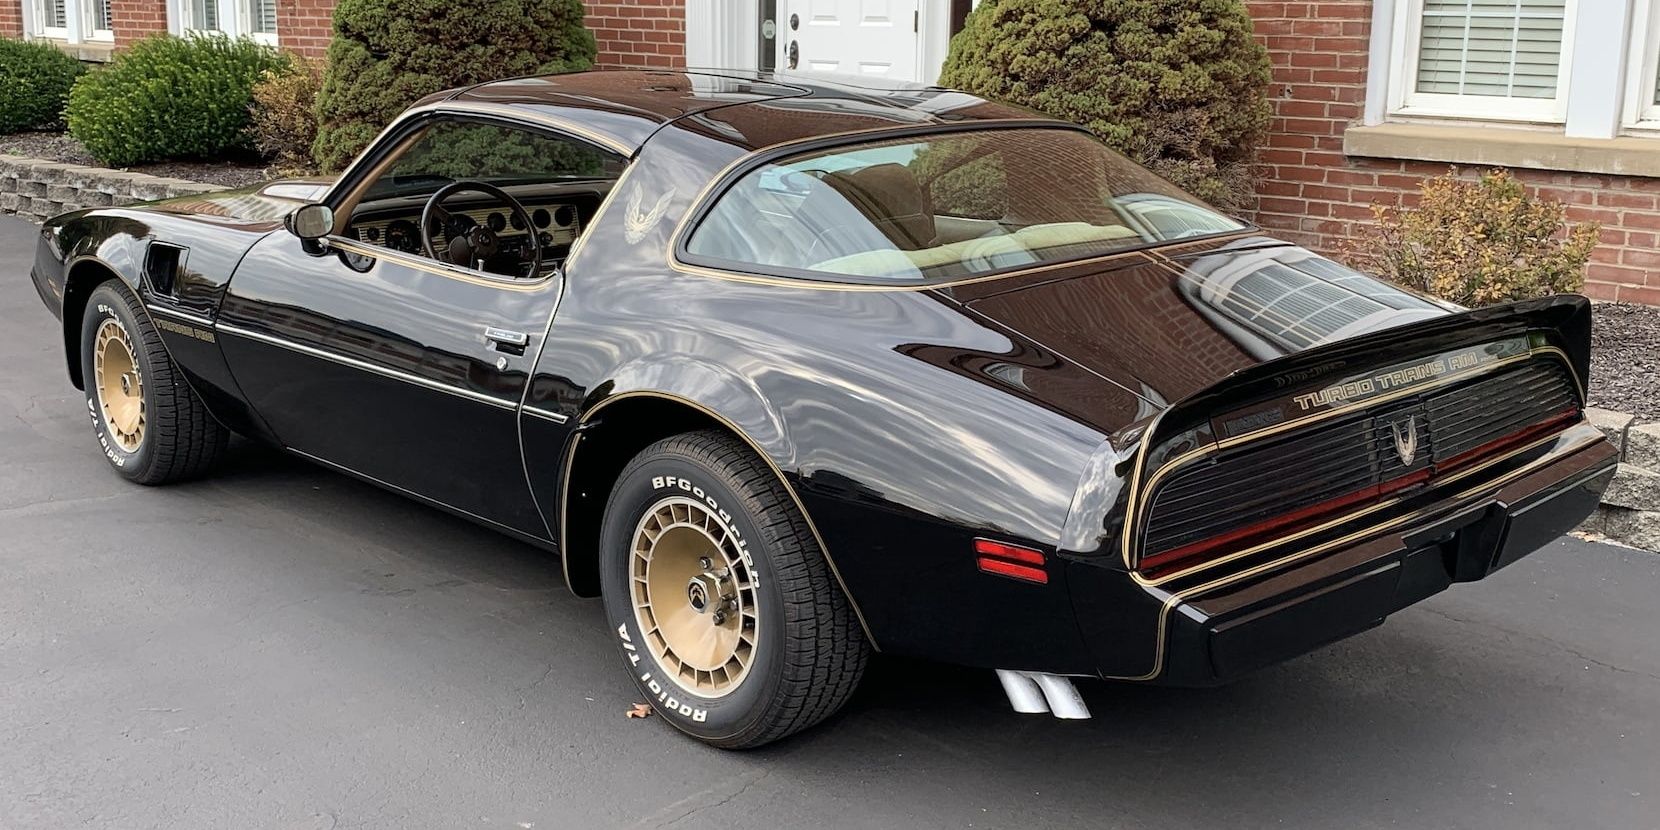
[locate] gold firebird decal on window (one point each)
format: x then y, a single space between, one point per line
637 224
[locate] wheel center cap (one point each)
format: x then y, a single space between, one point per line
700 592
127 384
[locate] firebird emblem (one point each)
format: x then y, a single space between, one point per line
1406 438
637 224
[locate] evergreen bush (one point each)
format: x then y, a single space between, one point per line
1178 85
170 98
35 79
386 54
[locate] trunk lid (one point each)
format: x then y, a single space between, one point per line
1169 327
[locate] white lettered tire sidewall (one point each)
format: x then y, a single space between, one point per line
106 304
740 708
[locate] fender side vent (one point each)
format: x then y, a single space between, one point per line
161 268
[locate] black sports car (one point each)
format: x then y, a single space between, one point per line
789 371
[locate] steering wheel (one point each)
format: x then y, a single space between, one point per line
479 242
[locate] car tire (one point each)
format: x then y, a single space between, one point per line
773 646
148 421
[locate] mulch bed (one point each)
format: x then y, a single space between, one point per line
1625 359
61 147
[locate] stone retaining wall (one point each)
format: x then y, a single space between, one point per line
1630 511
38 190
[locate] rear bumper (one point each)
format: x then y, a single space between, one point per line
1214 628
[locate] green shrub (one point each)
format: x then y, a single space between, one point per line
1178 85
170 98
1480 242
284 117
34 85
388 53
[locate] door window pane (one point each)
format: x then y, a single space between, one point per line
1498 48
559 181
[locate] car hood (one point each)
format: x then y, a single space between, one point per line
263 203
1166 325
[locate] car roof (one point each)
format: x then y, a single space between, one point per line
751 109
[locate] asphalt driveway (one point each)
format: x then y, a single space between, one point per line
284 647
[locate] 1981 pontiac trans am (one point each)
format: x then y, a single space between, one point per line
790 371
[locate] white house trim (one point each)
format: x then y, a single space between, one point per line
1601 38
722 33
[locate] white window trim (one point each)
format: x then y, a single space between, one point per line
34 12
1611 54
1642 114
235 12
1404 33
96 35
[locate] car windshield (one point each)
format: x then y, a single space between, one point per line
944 207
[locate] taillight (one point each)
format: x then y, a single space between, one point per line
1013 561
1175 559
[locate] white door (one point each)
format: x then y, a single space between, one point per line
864 37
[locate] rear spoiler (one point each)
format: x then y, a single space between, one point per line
1562 322
1560 325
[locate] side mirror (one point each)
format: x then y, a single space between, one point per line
311 222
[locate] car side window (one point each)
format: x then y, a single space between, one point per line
472 150
557 182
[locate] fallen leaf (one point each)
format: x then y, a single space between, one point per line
640 710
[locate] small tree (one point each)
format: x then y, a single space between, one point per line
1178 85
1480 242
387 54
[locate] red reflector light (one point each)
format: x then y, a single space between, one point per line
1008 560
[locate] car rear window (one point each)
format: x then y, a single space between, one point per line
943 207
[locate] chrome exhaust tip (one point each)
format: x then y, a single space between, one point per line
1035 693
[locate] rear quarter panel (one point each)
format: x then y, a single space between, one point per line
906 424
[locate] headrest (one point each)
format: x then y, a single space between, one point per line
888 194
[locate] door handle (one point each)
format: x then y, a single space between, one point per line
504 340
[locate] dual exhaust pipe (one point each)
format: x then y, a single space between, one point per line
1036 693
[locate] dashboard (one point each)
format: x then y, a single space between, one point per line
557 220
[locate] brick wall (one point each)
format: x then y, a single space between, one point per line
639 32
1313 194
11 18
305 26
137 19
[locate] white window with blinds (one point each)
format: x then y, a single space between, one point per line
256 19
52 18
74 21
1489 59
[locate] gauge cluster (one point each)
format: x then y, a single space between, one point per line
556 225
